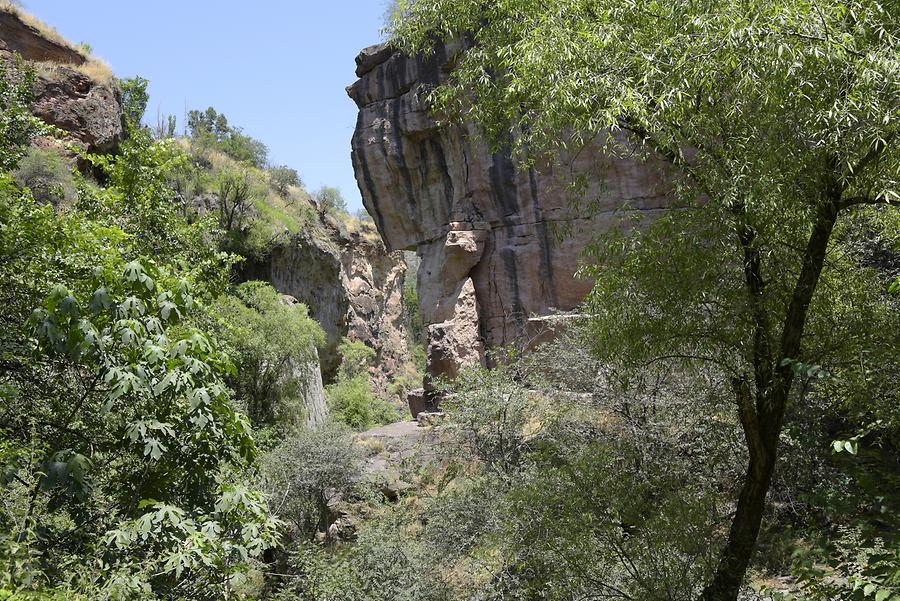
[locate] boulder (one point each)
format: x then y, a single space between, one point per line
88 109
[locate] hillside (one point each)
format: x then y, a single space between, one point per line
620 321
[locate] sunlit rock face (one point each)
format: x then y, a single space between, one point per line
88 110
499 244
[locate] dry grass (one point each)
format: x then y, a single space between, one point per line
94 67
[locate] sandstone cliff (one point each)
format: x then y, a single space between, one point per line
70 91
352 286
499 244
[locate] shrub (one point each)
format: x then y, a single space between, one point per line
134 99
47 174
307 470
17 125
211 128
356 357
275 347
352 402
330 200
237 189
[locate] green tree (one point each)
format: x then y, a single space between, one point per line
778 121
17 125
128 442
351 399
330 200
275 346
134 99
237 190
212 128
282 178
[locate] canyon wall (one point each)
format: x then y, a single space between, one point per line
499 243
352 286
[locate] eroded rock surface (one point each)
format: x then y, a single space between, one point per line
352 286
499 244
89 111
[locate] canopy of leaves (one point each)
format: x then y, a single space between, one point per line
275 343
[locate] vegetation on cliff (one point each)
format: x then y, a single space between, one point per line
777 122
144 399
721 421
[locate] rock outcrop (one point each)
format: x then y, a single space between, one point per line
352 286
87 109
32 44
499 244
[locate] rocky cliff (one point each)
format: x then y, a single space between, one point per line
352 286
70 91
499 244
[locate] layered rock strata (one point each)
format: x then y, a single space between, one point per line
499 244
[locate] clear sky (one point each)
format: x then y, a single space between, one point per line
277 68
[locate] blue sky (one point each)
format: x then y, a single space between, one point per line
277 68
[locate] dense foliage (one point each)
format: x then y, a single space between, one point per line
126 465
213 128
776 125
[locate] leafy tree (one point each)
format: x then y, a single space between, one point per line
134 99
143 201
306 470
236 194
140 197
17 125
330 200
351 399
211 127
165 127
282 178
208 122
778 122
275 346
138 441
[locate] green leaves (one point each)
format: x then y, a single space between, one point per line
158 404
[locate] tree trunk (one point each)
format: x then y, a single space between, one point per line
762 417
738 552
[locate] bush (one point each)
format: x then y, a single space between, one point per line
48 175
17 125
306 471
356 357
211 128
275 347
330 200
237 189
352 402
134 99
281 179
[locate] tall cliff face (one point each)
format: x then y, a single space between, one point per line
499 244
87 109
352 286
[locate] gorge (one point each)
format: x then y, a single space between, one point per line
499 243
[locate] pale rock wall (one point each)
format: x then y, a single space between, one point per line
353 288
499 244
